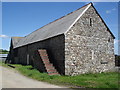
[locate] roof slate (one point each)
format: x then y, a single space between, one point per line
15 40
57 27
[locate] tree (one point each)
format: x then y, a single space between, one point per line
2 51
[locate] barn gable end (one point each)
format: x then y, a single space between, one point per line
89 45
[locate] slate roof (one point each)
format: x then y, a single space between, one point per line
57 27
15 40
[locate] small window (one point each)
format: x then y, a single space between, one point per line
104 62
90 22
109 40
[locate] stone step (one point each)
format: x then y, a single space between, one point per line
45 57
49 66
42 52
46 61
51 70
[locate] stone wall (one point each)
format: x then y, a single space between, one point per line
55 47
89 46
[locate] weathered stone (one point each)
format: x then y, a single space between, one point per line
91 44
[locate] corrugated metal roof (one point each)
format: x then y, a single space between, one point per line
57 27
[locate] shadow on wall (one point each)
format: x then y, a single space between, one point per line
117 60
37 62
41 62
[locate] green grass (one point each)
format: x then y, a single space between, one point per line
3 64
4 52
99 80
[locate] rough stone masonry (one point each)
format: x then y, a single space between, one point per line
89 48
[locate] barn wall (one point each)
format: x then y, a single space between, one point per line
88 49
21 55
10 57
55 47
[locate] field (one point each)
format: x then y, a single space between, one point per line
98 80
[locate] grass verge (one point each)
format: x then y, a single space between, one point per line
99 80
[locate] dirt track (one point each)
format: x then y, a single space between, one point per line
12 79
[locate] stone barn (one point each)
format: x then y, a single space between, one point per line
77 43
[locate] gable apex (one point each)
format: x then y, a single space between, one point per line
104 22
88 5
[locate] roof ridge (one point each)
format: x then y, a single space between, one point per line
16 37
59 18
53 27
